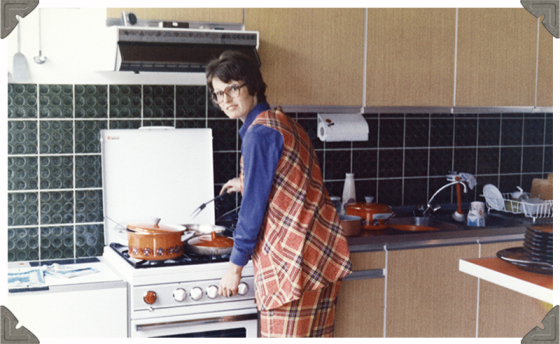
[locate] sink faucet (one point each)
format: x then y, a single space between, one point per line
458 213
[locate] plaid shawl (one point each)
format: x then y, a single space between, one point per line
300 247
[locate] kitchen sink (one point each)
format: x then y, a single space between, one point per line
443 221
416 223
492 221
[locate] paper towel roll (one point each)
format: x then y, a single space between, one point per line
342 127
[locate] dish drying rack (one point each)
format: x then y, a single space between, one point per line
540 209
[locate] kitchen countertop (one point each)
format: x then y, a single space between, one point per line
104 274
497 271
379 240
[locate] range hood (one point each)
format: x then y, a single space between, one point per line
178 50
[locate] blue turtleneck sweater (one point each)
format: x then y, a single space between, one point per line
261 149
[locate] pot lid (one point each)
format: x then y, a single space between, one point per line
211 240
371 207
151 228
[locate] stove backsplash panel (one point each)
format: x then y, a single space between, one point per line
55 198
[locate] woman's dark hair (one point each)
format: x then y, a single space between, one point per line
235 65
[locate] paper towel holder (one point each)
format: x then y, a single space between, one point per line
342 127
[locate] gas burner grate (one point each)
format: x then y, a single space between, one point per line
185 259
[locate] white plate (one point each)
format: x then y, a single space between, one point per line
494 198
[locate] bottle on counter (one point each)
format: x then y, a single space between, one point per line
349 191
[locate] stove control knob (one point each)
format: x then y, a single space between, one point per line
179 294
243 288
212 291
150 297
196 293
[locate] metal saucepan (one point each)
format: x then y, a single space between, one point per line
210 244
154 241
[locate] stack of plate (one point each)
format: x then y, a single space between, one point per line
538 243
536 253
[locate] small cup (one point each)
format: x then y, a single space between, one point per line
369 199
478 207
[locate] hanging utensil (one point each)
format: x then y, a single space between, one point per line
203 205
40 59
20 68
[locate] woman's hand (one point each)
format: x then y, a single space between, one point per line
231 280
233 185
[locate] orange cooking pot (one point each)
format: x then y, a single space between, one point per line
149 241
374 215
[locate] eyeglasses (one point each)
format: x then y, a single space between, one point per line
232 91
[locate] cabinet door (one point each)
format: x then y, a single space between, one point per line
504 312
217 15
544 77
410 57
496 57
427 295
360 304
310 56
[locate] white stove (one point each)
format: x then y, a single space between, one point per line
167 173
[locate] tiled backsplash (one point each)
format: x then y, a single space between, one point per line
55 207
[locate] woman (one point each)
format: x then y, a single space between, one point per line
287 222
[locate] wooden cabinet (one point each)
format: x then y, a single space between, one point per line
427 295
217 15
496 57
360 305
544 76
310 56
410 57
503 312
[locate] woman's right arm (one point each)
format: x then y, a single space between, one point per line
232 185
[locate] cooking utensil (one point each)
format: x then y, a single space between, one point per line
374 215
20 70
40 59
203 205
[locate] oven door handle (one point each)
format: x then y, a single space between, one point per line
195 322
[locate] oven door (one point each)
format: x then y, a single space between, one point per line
239 323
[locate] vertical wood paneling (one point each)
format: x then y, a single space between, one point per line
496 57
427 295
545 72
310 56
359 308
410 57
504 312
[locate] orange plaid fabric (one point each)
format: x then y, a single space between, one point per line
300 245
310 316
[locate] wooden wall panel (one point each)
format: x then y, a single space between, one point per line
410 57
219 15
310 56
496 57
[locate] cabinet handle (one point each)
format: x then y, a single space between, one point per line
195 322
365 274
26 290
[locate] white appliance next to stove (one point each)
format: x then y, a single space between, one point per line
168 173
